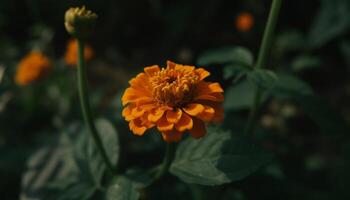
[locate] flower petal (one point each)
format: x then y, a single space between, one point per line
151 70
198 129
207 114
137 112
202 73
164 125
173 116
185 123
218 97
156 114
172 136
136 127
126 113
194 109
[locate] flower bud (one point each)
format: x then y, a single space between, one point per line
80 22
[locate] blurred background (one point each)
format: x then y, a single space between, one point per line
312 42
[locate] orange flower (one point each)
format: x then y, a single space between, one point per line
32 67
71 56
174 99
244 22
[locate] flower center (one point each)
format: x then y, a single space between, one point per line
173 87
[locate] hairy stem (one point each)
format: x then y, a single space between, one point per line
85 105
262 61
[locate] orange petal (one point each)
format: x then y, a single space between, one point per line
219 114
170 64
137 112
173 116
204 87
172 136
194 109
207 114
185 123
164 125
198 129
136 127
151 70
156 114
127 113
202 73
218 97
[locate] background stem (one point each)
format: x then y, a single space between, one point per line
168 158
85 105
262 61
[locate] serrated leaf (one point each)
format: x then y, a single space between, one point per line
217 159
263 78
332 20
227 55
122 188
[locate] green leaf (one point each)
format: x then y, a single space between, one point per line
288 85
290 40
227 55
122 188
232 70
77 191
305 62
217 159
88 157
263 78
332 20
239 96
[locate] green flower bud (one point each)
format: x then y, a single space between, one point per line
80 22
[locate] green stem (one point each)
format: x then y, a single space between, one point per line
168 159
262 60
85 105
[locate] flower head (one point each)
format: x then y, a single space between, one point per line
80 22
71 55
32 67
175 99
244 22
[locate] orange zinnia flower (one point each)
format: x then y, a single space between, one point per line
244 21
32 67
71 56
174 99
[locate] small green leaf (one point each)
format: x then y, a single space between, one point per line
227 55
217 159
122 188
305 62
232 70
288 85
239 96
332 20
263 78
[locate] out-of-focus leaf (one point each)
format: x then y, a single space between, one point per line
305 62
48 165
290 87
122 188
239 96
263 78
227 55
237 71
290 41
77 191
217 159
332 20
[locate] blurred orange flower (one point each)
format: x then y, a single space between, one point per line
244 22
32 67
71 55
174 99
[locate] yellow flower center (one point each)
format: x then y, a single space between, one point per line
173 87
